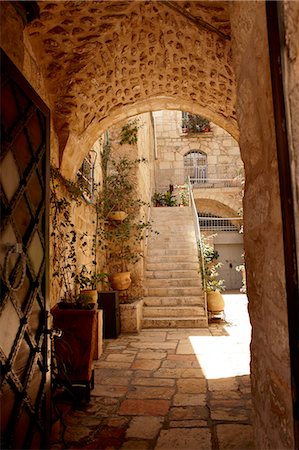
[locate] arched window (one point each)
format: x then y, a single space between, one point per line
195 166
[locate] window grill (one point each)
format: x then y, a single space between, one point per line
85 177
195 166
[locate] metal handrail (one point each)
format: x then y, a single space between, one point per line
198 238
149 214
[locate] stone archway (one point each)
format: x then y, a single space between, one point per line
101 62
213 206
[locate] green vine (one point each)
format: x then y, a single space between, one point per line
73 187
129 132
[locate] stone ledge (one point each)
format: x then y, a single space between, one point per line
131 315
206 134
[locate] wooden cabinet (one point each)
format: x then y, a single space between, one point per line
76 348
109 303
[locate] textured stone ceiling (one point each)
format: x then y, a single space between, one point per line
99 57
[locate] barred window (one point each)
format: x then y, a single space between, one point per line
85 178
195 166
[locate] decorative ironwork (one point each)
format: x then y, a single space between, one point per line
23 262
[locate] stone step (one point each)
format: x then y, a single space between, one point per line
172 282
159 274
171 210
171 266
171 322
174 240
178 311
173 291
171 252
196 300
173 226
173 259
189 247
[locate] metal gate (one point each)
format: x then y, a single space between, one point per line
24 351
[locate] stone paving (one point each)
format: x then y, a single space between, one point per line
171 389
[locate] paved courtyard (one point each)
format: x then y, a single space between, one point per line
171 389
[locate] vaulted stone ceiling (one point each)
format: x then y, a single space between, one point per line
101 59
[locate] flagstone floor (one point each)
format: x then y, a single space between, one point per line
171 389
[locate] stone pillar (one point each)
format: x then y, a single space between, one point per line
263 242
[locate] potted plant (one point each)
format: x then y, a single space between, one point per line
166 199
158 199
88 282
241 268
75 315
197 124
184 195
169 199
212 284
121 239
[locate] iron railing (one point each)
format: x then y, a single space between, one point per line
220 223
224 176
208 183
198 239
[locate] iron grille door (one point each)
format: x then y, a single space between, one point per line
24 353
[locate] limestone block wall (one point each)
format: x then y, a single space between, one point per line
270 365
83 216
223 157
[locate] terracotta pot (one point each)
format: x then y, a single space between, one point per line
91 295
118 216
120 281
215 302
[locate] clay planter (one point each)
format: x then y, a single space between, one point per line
120 281
215 302
76 348
118 216
91 295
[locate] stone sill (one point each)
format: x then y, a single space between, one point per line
204 135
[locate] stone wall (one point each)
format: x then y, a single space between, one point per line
270 365
83 217
223 159
143 178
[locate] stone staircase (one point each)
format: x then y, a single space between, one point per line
173 290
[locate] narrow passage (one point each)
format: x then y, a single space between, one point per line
171 389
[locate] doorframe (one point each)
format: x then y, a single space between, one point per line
276 43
